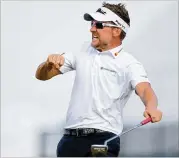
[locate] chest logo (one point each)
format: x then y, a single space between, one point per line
103 68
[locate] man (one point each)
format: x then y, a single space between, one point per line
106 75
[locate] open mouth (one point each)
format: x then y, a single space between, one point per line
94 37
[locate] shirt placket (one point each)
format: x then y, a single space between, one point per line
95 73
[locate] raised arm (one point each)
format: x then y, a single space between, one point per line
50 67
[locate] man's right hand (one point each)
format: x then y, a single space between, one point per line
55 61
50 67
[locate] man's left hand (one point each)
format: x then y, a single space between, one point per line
154 113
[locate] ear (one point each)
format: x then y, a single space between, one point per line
116 32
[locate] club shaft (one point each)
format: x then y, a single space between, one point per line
108 140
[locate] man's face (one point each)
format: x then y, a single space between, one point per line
102 38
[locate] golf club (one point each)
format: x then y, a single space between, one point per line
101 150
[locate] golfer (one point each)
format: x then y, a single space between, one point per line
106 75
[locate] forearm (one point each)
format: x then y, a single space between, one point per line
149 98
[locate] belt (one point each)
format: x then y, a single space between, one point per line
82 132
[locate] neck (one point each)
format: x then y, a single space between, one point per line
110 46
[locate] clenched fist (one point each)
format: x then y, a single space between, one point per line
154 113
55 61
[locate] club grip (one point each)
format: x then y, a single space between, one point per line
146 121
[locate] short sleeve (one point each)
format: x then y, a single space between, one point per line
137 74
69 64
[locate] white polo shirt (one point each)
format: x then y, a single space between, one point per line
103 84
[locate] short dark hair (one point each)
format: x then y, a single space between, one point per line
120 10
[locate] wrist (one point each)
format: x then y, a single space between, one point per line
151 106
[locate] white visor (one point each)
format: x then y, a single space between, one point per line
104 14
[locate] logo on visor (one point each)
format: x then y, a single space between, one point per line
120 24
101 11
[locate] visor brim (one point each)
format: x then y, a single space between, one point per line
96 16
88 17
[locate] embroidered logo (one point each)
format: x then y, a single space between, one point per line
144 76
120 24
116 54
103 68
101 11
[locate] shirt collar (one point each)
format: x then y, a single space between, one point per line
114 52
